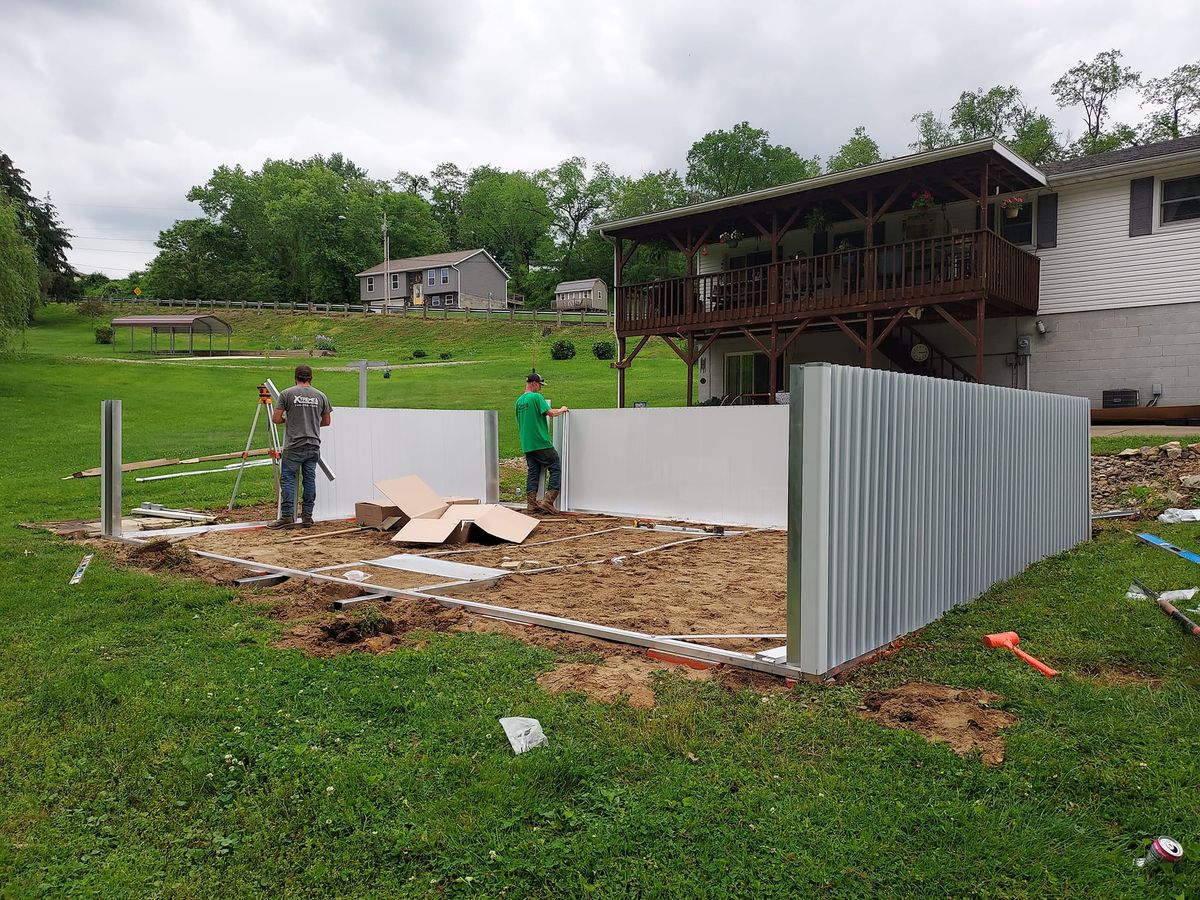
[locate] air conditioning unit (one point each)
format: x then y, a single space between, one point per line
1120 399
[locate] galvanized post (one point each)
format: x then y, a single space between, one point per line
808 517
362 383
110 468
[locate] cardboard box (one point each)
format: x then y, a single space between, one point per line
433 531
459 501
370 514
413 496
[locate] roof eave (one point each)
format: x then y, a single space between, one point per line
1123 168
829 180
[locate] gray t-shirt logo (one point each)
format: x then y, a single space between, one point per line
303 407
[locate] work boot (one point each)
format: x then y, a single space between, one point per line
531 502
306 522
547 505
283 522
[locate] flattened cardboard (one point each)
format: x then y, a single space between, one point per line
370 514
413 496
459 501
467 512
431 531
506 524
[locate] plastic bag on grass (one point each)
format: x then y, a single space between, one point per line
524 734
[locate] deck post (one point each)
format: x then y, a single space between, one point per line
984 225
869 346
691 366
773 364
621 373
980 307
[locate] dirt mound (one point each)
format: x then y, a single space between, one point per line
619 676
160 555
371 632
959 718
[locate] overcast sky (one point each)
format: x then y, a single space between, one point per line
117 107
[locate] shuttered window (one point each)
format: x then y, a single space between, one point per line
1141 206
1047 221
1180 199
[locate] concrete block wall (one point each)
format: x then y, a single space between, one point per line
1086 353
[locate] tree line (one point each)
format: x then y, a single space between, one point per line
300 229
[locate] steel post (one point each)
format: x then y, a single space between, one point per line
110 468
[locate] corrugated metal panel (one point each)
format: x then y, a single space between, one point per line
910 495
1097 265
456 454
724 465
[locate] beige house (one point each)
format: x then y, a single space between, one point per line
590 293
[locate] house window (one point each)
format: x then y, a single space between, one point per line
451 301
436 300
431 277
445 276
1018 230
1180 199
370 285
395 282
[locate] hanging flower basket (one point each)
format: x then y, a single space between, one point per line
1012 206
922 199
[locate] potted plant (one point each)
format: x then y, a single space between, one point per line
817 219
922 199
1012 206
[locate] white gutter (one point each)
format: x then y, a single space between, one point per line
837 178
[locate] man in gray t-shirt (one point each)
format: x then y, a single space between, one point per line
303 411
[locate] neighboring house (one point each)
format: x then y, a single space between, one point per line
465 279
590 293
966 262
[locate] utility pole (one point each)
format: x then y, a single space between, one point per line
387 267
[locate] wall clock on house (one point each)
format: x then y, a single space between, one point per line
919 352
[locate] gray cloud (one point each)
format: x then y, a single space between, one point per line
117 107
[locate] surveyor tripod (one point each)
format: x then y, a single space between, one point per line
264 405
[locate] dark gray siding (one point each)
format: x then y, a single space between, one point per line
481 277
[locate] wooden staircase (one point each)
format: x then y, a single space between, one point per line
898 346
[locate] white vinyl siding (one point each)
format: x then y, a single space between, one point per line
1097 265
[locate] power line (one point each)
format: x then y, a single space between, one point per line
109 250
96 237
116 206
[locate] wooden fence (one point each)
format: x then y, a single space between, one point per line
512 314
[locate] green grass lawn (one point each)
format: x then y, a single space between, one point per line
153 743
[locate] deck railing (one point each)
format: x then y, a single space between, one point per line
978 263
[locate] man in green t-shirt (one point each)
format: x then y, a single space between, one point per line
533 413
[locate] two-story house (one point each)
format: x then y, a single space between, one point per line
464 279
966 262
587 293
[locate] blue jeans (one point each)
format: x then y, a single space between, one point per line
298 461
535 461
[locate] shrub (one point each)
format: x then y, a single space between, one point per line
104 334
297 342
604 349
445 354
324 342
419 354
562 349
92 308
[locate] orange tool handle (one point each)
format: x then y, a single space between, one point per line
1036 663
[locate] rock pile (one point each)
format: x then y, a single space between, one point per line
1147 478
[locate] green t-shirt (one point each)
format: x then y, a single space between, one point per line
532 423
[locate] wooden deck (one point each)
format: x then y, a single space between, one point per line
978 265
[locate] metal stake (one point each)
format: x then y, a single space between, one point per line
110 468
